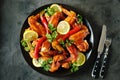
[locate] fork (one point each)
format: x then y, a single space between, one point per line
105 58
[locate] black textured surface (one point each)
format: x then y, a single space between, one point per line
13 14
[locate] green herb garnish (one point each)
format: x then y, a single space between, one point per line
24 44
27 49
69 42
51 27
53 34
79 18
46 64
49 11
74 68
46 67
49 37
62 43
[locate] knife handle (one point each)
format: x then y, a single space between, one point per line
103 67
96 68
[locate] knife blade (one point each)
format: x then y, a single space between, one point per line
102 40
96 67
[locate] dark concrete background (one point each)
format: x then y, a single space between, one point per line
13 14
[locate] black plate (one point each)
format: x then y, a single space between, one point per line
60 72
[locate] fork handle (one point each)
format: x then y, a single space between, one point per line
96 68
104 64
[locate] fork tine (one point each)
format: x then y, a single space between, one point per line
108 41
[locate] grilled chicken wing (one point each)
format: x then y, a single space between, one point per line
56 62
35 25
78 39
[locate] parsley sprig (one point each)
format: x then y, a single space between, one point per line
51 27
74 68
53 34
49 11
46 64
69 42
24 44
79 18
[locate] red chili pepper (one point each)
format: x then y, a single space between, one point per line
45 23
37 47
74 30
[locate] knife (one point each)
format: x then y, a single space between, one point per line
96 67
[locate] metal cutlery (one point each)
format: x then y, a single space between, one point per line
96 66
105 58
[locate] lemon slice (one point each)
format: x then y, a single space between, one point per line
30 35
37 62
80 60
63 27
56 7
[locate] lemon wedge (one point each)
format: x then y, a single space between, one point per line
56 7
37 62
63 27
80 59
30 35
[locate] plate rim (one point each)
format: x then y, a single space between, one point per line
24 52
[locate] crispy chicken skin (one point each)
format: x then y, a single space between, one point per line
35 25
